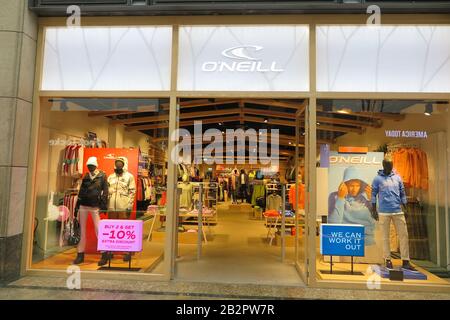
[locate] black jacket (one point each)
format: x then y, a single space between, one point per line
94 193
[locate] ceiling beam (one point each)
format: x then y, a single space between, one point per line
271 113
323 127
188 115
380 115
350 122
302 108
371 115
201 103
279 114
182 124
115 111
270 121
156 118
274 103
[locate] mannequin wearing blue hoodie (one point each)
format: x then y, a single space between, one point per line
351 204
388 189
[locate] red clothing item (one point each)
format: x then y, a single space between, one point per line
301 197
139 190
271 213
163 200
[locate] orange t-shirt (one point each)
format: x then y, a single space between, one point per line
301 197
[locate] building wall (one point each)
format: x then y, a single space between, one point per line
18 35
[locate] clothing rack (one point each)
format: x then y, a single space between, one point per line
273 187
394 146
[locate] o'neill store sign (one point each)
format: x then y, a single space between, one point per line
243 58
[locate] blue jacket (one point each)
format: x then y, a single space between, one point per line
390 191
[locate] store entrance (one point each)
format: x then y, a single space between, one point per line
236 213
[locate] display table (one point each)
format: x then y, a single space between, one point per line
272 223
182 215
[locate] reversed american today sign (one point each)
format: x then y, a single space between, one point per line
342 240
244 58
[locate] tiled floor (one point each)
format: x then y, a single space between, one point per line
238 253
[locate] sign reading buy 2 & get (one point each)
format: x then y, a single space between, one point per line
120 235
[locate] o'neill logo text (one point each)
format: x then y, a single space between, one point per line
355 160
242 61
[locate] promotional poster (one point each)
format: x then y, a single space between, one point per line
349 194
106 159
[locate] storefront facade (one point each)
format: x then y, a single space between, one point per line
311 58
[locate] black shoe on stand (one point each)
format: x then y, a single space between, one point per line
104 259
127 257
79 259
389 265
407 266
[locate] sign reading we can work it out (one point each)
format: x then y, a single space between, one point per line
342 240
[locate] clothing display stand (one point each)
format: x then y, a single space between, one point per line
283 222
342 272
109 268
211 200
200 223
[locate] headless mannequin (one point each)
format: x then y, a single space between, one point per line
387 170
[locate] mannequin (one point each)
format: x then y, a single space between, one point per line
243 182
92 198
186 193
234 185
388 188
122 192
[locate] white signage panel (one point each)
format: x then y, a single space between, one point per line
383 59
243 58
107 58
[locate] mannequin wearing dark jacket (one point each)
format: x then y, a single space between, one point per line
92 198
243 185
94 192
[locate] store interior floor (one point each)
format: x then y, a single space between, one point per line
238 252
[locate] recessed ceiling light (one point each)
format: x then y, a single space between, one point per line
266 120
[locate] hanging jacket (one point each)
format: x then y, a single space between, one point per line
94 192
122 189
259 190
273 202
390 192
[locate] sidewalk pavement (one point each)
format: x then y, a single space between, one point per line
51 288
